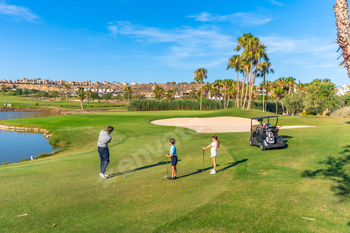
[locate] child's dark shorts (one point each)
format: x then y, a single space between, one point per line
173 161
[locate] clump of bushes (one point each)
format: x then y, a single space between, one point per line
43 155
159 105
270 106
343 112
5 163
24 160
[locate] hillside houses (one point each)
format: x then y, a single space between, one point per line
343 90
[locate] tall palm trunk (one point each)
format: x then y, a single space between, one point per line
264 91
81 105
251 88
201 95
242 94
237 92
228 99
276 105
225 97
341 10
219 97
247 88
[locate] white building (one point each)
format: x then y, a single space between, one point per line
342 90
133 83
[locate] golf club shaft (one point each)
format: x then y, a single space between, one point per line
167 170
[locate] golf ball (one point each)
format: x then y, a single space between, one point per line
124 176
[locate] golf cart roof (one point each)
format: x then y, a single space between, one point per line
263 117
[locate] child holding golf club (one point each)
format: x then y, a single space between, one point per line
173 156
214 145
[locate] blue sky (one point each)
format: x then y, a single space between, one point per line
163 41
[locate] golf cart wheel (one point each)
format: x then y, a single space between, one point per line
250 142
262 147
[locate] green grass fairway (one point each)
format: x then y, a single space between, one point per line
27 102
253 191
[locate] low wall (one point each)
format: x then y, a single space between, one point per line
26 129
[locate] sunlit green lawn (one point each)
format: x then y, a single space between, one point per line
253 191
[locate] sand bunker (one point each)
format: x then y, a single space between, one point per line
214 124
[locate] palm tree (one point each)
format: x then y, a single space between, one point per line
290 83
127 90
199 75
169 95
218 84
254 51
341 10
158 92
3 89
264 68
88 95
67 88
300 87
227 83
235 62
278 94
81 96
207 88
214 92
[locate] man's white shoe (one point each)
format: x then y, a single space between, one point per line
103 176
213 172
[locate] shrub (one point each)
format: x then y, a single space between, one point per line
306 113
24 160
343 112
43 155
5 163
36 104
154 105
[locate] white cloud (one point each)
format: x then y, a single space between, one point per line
184 46
242 18
275 2
289 45
19 13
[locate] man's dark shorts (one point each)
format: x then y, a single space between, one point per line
173 161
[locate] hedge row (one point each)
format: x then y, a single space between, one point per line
155 105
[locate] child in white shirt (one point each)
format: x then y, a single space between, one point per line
214 145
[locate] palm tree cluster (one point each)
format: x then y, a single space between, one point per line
251 63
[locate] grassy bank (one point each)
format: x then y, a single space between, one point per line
26 102
253 190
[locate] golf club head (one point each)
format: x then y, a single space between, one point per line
165 177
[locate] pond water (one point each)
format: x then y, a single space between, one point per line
15 146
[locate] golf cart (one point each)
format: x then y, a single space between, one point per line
264 134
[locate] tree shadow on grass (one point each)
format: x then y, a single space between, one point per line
139 168
337 170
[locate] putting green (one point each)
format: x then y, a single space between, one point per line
252 191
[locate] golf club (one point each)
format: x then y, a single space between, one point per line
203 161
166 168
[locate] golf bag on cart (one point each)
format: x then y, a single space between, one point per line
270 137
